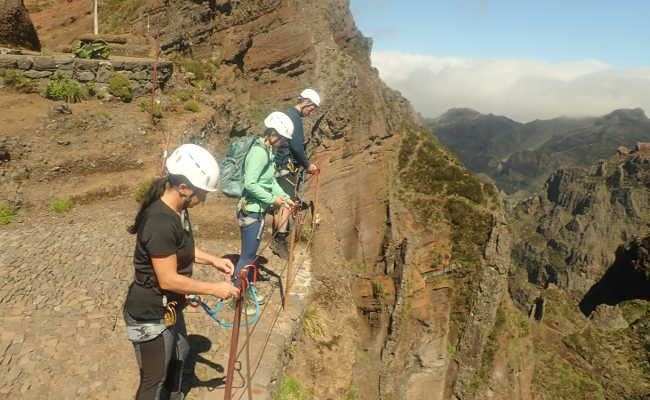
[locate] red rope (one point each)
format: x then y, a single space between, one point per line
234 339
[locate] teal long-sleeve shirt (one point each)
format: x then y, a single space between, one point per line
261 188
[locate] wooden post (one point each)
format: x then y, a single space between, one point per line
95 18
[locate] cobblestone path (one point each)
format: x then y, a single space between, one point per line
64 278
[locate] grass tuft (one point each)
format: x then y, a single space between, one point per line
61 205
143 189
191 106
7 213
313 325
291 389
145 106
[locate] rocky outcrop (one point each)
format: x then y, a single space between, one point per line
583 277
571 231
407 228
16 28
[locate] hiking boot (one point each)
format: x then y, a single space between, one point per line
249 304
260 294
280 248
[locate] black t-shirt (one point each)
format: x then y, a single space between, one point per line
160 234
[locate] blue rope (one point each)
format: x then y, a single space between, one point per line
212 312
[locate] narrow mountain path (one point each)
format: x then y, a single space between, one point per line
64 278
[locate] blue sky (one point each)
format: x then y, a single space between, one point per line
617 32
526 59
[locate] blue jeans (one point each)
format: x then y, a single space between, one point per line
251 236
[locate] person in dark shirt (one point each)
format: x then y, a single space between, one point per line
289 160
163 260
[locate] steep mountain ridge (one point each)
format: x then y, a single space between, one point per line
520 156
580 147
483 141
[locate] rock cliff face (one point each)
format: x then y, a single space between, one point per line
16 28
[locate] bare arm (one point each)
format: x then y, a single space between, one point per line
222 264
169 279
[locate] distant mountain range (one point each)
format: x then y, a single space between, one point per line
520 156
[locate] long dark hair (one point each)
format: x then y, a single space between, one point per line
156 190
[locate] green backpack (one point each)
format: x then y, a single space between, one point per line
231 173
92 49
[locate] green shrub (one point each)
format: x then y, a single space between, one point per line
7 213
199 68
202 70
15 80
61 87
61 205
191 106
120 87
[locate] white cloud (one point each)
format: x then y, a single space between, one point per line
520 89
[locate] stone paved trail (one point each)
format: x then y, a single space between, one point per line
64 278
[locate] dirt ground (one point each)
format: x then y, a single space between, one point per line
87 151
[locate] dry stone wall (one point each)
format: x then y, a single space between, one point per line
139 71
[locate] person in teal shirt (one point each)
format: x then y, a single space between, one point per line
261 190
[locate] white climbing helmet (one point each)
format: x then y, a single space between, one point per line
196 164
281 123
311 95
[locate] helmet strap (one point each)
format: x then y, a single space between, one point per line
302 109
186 199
